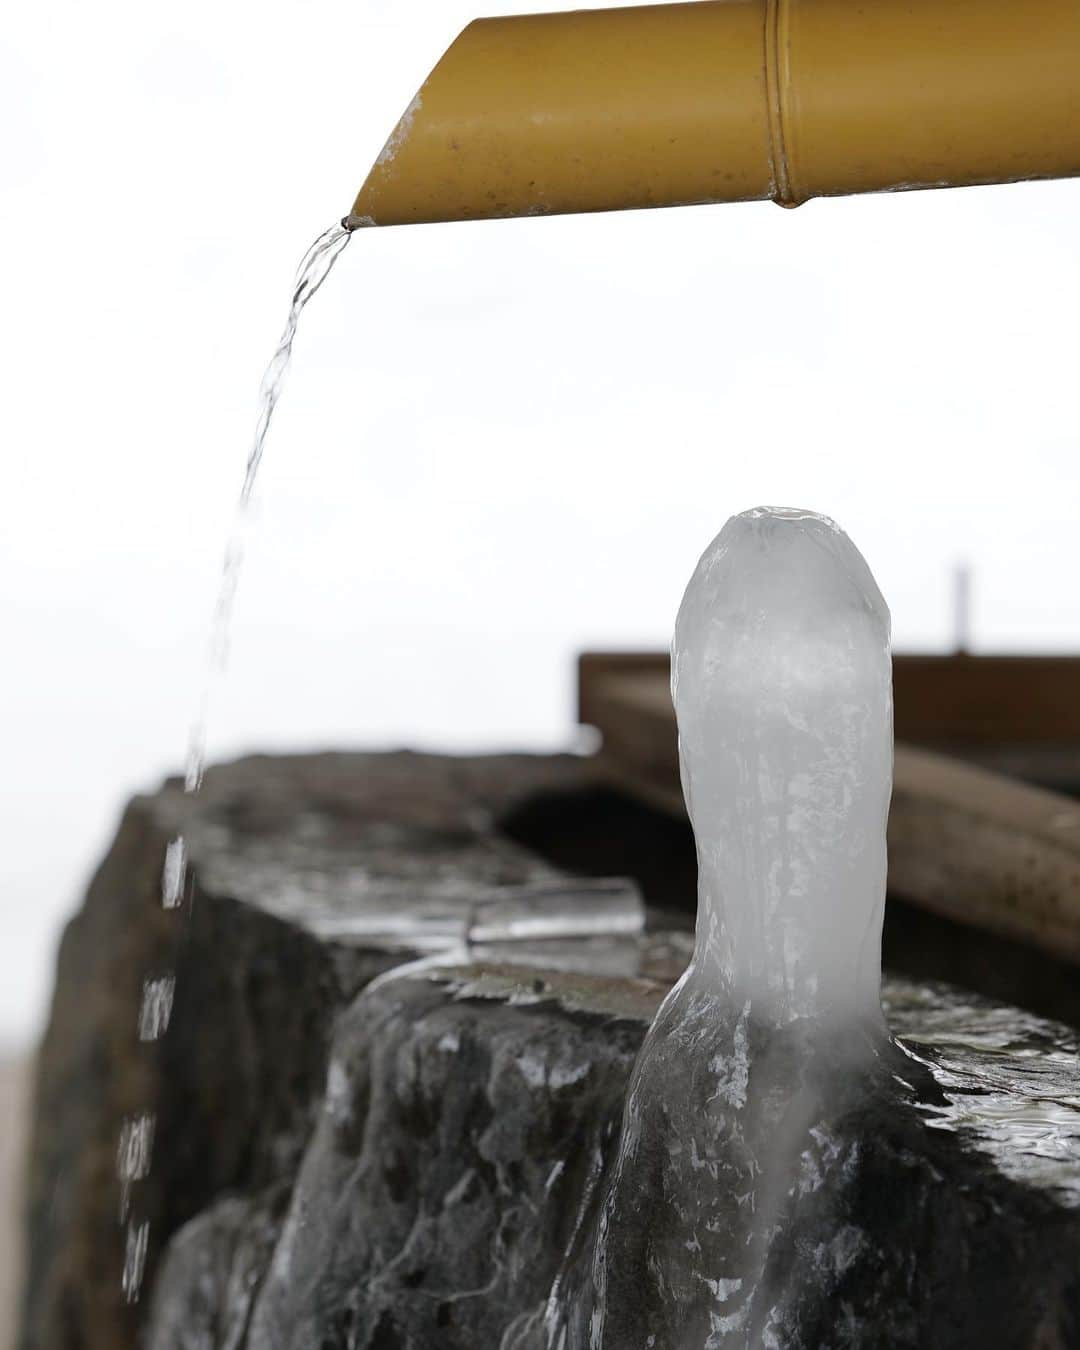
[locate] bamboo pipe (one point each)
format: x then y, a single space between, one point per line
733 100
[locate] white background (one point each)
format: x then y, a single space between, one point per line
500 442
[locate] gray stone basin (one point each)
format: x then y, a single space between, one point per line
367 1135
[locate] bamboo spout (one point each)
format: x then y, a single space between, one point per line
733 100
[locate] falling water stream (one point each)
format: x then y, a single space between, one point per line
315 267
135 1146
782 680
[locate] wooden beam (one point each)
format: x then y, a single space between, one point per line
966 843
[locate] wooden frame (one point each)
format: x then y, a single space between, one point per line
972 845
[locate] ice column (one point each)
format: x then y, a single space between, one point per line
782 683
730 1146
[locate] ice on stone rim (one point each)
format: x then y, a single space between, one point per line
782 684
781 679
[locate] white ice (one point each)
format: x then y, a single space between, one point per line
781 676
782 683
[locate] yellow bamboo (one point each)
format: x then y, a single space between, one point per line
733 100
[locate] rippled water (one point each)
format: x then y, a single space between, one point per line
1009 1080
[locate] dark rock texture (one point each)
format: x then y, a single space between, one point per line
471 1119
792 1187
352 1154
284 853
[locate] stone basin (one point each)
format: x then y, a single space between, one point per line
366 1134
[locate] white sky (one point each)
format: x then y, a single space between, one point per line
500 442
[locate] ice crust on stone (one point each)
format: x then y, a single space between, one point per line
782 680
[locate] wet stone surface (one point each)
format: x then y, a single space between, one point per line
234 1087
356 1153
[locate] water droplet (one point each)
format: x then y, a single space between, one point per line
133 1154
138 1235
156 1008
174 873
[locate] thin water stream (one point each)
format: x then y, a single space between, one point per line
135 1145
315 266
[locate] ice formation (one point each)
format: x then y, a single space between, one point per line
781 678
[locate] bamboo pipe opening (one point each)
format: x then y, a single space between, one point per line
732 100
